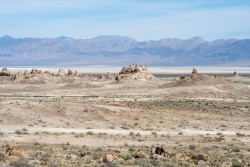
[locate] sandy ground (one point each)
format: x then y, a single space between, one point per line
121 108
139 113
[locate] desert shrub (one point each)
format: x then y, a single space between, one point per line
240 134
44 160
53 164
138 134
180 133
125 127
154 133
223 125
131 149
131 133
236 163
82 153
125 156
88 160
21 163
2 157
25 130
18 132
90 133
151 163
192 147
135 124
236 149
77 135
98 149
97 156
109 164
112 127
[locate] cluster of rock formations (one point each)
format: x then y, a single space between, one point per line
200 79
133 72
134 69
108 76
136 72
159 152
5 72
35 76
11 150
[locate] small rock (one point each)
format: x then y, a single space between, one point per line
202 163
140 154
159 151
109 158
199 156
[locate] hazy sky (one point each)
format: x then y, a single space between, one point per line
139 19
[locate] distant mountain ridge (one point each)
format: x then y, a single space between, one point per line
119 50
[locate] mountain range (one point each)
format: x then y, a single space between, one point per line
118 50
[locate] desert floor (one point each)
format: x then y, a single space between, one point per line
197 124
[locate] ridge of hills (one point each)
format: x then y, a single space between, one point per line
119 50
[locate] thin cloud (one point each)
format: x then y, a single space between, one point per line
139 19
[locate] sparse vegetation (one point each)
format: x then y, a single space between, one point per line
180 133
126 122
90 133
154 133
1 134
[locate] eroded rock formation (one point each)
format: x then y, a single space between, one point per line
5 72
135 72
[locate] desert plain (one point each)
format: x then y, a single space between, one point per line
131 118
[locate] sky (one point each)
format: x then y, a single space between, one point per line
138 19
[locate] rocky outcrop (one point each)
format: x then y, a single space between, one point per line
200 156
109 158
182 77
13 151
16 76
61 73
194 71
235 74
5 72
76 73
160 151
195 78
140 154
134 69
195 75
135 72
110 76
36 76
34 71
70 72
118 77
101 76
